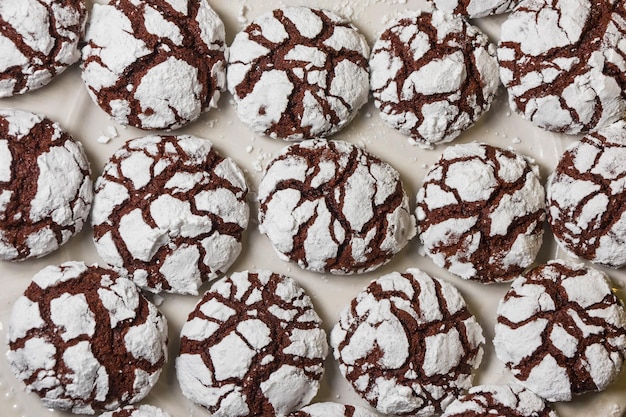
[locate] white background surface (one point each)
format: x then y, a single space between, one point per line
65 100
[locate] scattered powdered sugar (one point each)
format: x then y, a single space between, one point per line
476 8
587 197
418 372
480 212
562 330
252 343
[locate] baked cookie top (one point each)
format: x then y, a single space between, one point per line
39 40
563 64
561 330
170 212
253 346
408 344
85 339
154 65
45 185
333 207
298 73
587 197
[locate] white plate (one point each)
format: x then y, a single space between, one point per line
66 101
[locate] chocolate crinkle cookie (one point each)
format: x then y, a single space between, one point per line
170 212
587 197
45 186
38 40
136 411
499 400
85 339
561 330
476 8
481 211
563 63
333 207
298 73
328 409
433 75
154 64
253 346
408 344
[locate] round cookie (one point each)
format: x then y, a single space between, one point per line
136 411
499 400
561 330
85 339
332 207
298 73
170 212
329 409
39 40
433 75
154 65
253 346
408 344
481 211
562 63
45 186
587 197
476 8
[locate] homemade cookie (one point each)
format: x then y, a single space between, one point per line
561 330
39 40
562 63
298 73
433 75
253 346
332 410
85 339
170 212
481 211
134 411
499 400
587 197
332 207
154 65
45 185
408 344
476 8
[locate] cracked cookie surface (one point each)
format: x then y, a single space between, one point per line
563 63
45 186
154 64
476 8
298 73
332 207
433 75
170 212
253 346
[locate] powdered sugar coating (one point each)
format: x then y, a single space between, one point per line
136 411
433 75
39 40
45 186
408 344
587 197
499 400
154 65
564 64
298 73
253 346
476 8
332 207
170 212
85 339
480 212
562 330
328 409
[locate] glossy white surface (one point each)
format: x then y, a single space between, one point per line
66 101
